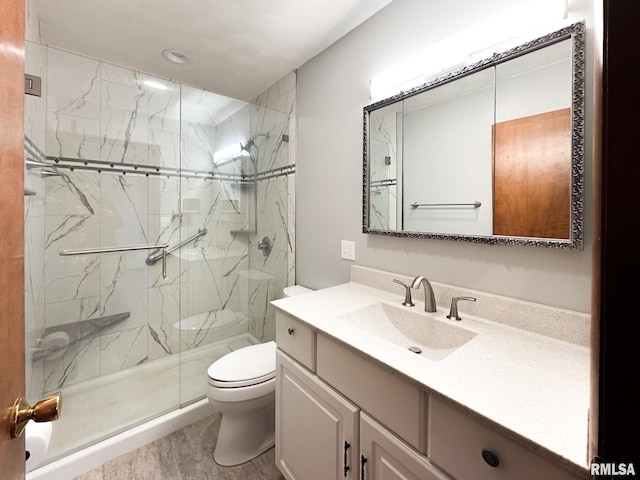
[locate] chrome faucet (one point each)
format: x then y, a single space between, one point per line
453 311
429 297
407 293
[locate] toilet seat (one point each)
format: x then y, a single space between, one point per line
244 367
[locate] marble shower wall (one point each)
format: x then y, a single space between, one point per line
264 208
92 110
97 111
273 115
382 198
214 290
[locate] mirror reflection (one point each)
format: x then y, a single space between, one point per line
491 153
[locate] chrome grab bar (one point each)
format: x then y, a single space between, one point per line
89 251
475 204
155 256
130 248
32 163
34 158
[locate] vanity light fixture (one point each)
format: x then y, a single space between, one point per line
497 33
176 56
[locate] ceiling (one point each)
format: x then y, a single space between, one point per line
237 48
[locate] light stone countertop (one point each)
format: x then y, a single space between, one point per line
533 387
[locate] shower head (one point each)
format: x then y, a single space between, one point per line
247 146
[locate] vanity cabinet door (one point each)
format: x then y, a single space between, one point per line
396 403
385 457
469 450
316 428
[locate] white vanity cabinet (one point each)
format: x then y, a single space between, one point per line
297 339
316 428
341 414
469 450
322 435
383 456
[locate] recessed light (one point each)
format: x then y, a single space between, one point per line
176 56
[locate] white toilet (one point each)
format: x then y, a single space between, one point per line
242 388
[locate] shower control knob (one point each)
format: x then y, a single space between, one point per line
46 410
290 331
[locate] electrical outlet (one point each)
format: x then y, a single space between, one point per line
348 250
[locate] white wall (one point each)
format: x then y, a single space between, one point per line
450 165
447 144
333 88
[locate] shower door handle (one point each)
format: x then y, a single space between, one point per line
131 248
45 410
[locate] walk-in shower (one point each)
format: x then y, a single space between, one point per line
145 259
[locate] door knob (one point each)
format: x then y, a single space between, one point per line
45 410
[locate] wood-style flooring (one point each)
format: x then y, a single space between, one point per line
186 454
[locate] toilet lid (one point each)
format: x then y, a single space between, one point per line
245 366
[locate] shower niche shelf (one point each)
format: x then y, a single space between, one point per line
55 341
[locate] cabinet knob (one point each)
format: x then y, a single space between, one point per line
290 331
490 458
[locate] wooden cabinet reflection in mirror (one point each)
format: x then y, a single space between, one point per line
532 176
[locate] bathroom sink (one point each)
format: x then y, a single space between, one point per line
416 331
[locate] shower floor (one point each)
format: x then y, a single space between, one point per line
102 407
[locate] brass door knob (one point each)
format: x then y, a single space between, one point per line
46 410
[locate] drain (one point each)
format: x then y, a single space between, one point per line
415 349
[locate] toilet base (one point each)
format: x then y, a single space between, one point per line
244 435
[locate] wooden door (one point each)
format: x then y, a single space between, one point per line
12 384
532 176
316 428
616 261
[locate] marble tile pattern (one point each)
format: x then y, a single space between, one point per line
273 112
95 111
186 454
382 199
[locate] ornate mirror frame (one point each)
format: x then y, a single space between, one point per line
575 32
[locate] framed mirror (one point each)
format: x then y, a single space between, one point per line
492 152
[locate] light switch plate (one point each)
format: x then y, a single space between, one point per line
348 250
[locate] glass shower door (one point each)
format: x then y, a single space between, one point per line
131 160
215 199
231 280
93 328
